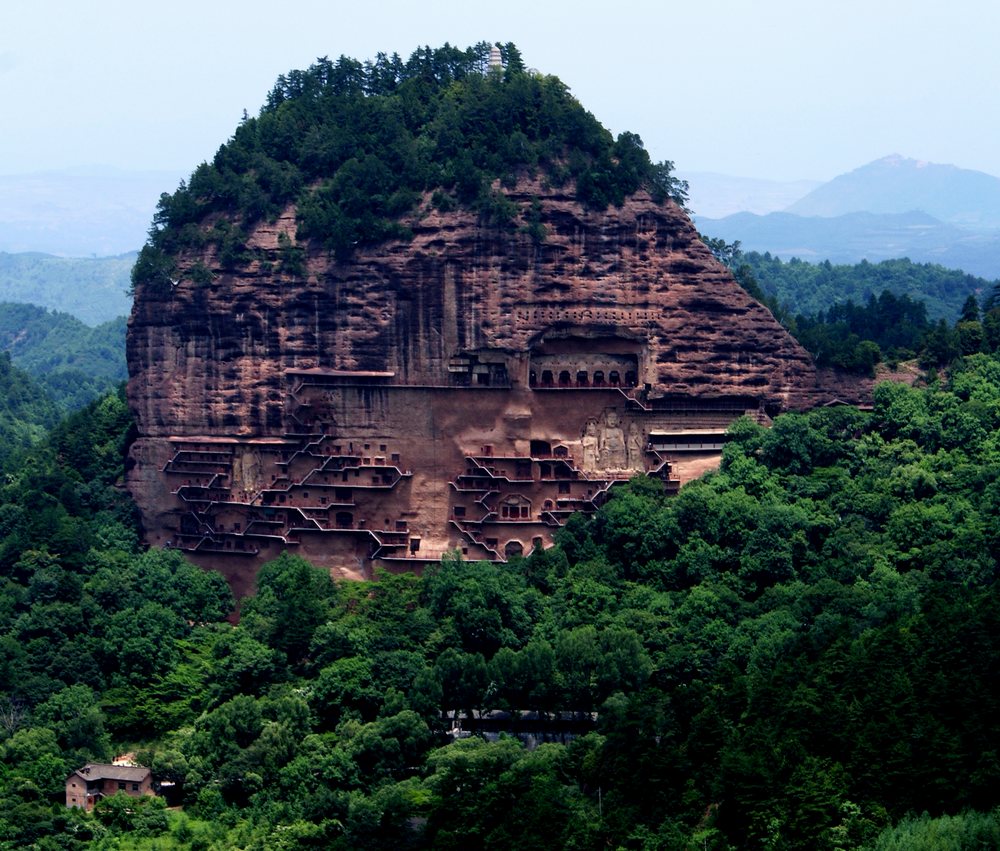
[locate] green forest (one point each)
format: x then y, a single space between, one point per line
903 311
357 146
798 651
26 411
801 650
72 362
808 288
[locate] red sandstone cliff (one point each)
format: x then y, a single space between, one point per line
211 357
441 346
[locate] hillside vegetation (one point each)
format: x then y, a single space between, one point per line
808 288
26 411
799 651
357 146
73 362
855 327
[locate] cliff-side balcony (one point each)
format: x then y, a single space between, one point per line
192 493
197 468
392 470
499 466
264 528
321 482
385 475
302 523
206 482
187 543
302 458
280 539
392 537
476 537
474 484
420 557
580 503
221 454
304 431
318 513
477 470
508 522
229 546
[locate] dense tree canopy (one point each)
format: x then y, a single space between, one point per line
798 651
801 650
73 362
356 146
25 410
890 319
808 288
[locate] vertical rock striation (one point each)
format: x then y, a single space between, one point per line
468 388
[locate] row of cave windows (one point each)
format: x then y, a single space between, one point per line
340 494
284 454
367 460
583 379
511 548
517 510
538 449
345 519
521 512
338 449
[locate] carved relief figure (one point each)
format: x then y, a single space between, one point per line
636 447
613 449
247 472
590 446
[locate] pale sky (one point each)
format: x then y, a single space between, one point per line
781 89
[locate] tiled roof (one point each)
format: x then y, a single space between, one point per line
101 771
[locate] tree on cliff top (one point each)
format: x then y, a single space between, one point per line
357 145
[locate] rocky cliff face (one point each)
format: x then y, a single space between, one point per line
466 389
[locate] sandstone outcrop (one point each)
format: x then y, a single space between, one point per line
467 389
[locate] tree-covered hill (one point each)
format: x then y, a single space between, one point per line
26 410
808 288
855 326
94 290
799 651
73 362
358 146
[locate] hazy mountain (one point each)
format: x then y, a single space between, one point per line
98 211
854 237
94 290
896 184
717 195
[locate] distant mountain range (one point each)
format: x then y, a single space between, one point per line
891 208
895 184
73 362
717 195
94 212
854 237
94 290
